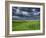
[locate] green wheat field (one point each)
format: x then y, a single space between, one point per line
25 25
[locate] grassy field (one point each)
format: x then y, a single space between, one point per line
25 25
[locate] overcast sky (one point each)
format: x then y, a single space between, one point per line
25 13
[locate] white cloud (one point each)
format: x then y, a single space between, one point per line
36 13
17 11
33 9
25 13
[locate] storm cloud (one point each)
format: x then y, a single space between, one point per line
25 13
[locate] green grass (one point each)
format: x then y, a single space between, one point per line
25 25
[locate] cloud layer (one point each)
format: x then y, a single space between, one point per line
25 13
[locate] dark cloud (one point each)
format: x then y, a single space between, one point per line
25 13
